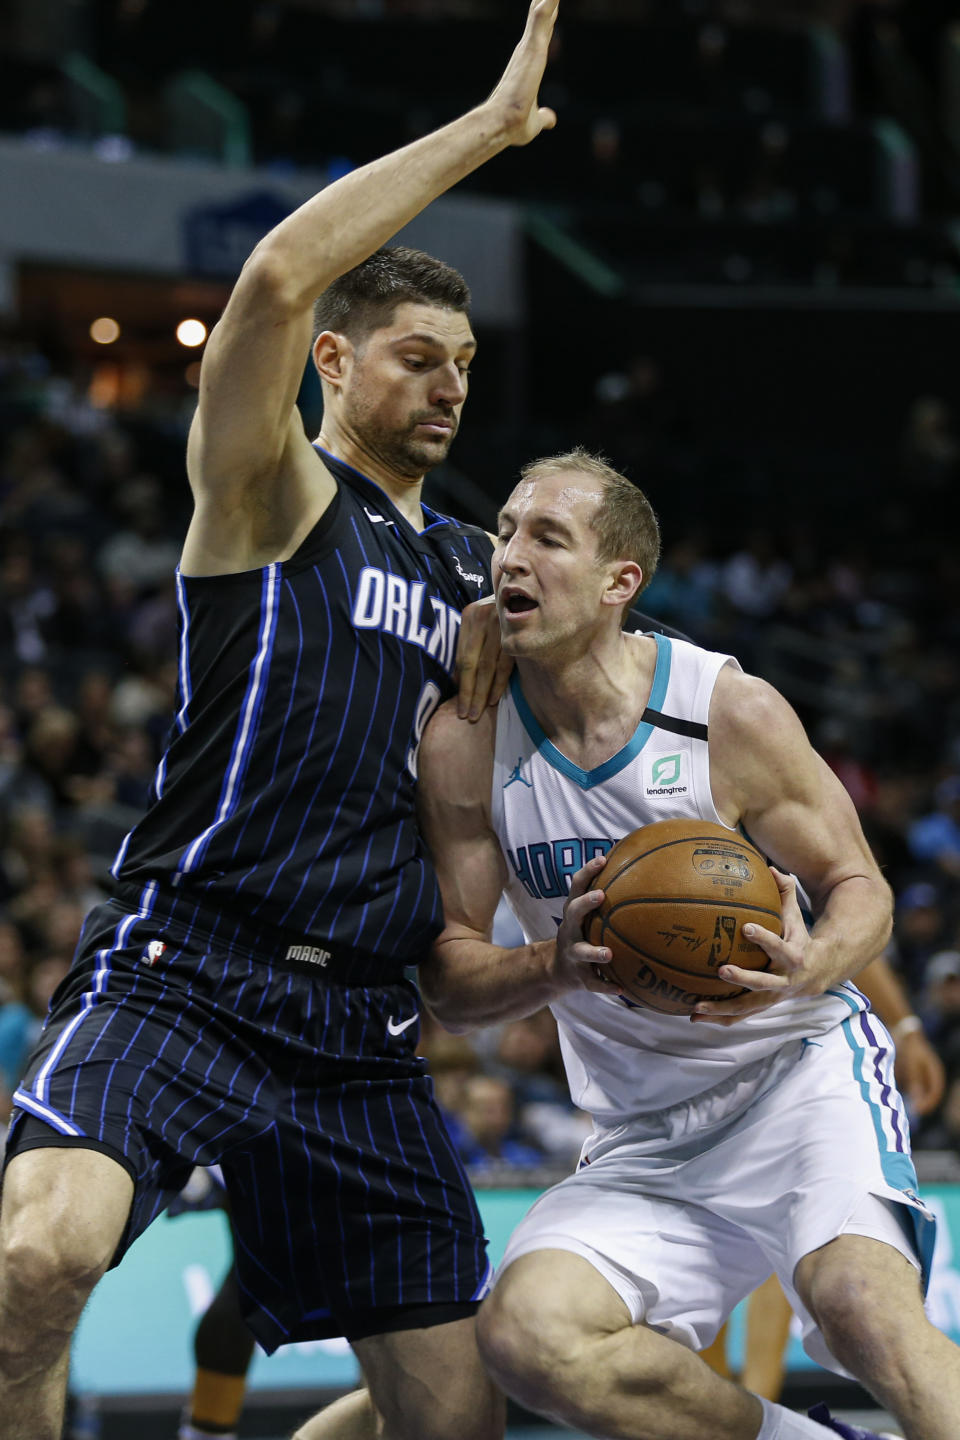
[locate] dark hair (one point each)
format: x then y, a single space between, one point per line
624 521
365 297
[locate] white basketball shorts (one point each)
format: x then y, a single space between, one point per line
683 1235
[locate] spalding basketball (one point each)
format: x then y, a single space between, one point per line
677 895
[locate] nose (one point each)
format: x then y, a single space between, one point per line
510 559
450 387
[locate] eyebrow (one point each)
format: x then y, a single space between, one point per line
542 522
423 337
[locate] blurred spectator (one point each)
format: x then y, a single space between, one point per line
12 962
682 593
27 605
919 930
935 837
940 1002
21 1019
487 1137
631 416
528 1058
142 554
756 577
453 1061
931 452
942 1132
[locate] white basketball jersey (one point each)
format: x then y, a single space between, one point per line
551 817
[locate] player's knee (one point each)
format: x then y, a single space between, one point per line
47 1276
474 1414
859 1325
525 1348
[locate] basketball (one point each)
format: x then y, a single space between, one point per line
677 895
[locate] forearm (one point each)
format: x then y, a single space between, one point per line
469 983
348 220
852 927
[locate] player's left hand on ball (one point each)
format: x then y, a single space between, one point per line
578 964
787 975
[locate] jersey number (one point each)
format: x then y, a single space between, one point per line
428 702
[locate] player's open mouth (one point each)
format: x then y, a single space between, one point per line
516 604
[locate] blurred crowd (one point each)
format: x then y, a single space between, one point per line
860 629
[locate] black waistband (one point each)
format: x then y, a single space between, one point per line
184 918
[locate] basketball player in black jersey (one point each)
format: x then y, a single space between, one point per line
242 1000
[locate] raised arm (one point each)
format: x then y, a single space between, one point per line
256 484
767 777
468 981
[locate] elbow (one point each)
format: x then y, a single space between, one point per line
271 275
441 1005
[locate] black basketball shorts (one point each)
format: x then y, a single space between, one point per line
350 1207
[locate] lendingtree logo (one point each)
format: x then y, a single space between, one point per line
666 770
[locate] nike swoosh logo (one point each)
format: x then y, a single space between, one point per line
377 519
393 1029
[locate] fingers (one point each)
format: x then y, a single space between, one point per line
920 1073
779 950
584 962
728 1012
480 665
517 90
501 676
582 880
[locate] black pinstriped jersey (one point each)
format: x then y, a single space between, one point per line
286 794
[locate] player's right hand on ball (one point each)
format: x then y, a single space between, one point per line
580 965
514 101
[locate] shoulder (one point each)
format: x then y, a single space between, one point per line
759 750
456 756
747 706
447 737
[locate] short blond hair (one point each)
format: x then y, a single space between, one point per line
624 520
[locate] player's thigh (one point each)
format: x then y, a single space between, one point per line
430 1384
62 1214
675 1266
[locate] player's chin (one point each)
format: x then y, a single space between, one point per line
513 642
429 449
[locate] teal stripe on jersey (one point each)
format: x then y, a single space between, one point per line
587 779
897 1167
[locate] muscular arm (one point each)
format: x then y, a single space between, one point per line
257 486
767 778
468 981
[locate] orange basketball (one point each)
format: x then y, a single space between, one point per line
677 895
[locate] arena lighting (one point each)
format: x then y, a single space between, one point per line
191 333
104 330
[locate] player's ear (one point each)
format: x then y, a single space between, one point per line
330 350
626 578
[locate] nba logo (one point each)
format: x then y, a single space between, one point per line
152 952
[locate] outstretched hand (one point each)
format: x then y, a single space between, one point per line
515 97
792 970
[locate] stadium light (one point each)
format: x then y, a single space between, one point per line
191 333
104 330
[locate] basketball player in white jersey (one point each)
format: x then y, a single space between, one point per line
774 1141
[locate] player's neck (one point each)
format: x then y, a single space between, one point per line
589 705
403 490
